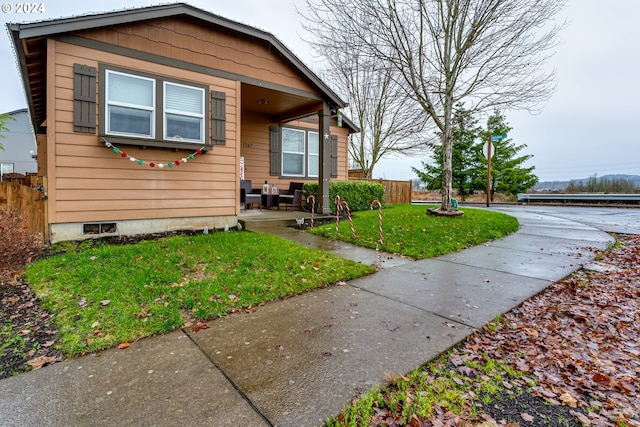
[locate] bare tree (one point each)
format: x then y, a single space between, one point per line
391 122
488 54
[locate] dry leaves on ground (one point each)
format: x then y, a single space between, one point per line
577 345
22 316
580 340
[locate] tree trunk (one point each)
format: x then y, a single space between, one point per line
447 174
447 154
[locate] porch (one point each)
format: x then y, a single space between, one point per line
259 219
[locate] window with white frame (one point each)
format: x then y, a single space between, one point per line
300 153
314 154
139 106
6 168
130 105
293 152
183 113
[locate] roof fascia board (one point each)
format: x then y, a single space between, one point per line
84 22
163 60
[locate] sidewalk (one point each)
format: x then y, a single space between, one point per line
298 361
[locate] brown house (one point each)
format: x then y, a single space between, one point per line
144 116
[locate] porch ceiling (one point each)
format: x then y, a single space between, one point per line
280 106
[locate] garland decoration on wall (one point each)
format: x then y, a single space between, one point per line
159 165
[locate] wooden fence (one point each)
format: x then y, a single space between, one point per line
26 200
395 192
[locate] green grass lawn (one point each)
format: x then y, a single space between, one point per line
409 231
103 295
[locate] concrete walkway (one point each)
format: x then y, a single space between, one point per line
298 361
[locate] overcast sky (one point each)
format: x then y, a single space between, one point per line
588 127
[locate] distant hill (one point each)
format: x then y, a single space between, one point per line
562 185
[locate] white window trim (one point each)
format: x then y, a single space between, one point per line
309 155
303 153
2 164
183 113
109 103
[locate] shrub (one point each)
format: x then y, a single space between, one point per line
17 244
358 194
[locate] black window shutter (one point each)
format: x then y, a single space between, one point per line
334 156
275 148
84 98
218 118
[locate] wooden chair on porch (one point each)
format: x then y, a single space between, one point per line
248 194
289 197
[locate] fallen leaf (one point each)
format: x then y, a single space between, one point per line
40 361
199 327
95 324
601 378
568 400
527 417
48 344
105 302
123 345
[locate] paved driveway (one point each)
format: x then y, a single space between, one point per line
612 220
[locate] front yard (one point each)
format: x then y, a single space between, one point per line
88 296
107 295
409 231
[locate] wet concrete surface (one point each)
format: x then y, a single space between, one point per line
466 294
345 250
298 361
612 220
302 359
160 381
543 265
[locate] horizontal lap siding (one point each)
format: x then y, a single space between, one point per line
187 41
343 153
255 150
92 183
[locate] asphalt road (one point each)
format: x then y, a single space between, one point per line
612 220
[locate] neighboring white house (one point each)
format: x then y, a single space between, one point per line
19 144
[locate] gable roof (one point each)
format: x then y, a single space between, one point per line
53 27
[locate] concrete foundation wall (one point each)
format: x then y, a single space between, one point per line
74 231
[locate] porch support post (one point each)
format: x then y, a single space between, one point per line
324 133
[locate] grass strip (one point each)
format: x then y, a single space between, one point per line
105 295
429 390
408 230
